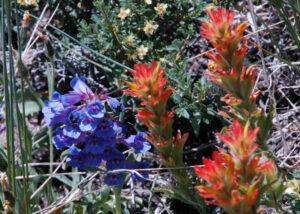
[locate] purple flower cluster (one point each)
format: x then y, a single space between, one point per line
89 135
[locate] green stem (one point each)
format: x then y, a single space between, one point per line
117 193
51 83
12 91
6 91
20 67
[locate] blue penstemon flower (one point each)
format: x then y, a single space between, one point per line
89 135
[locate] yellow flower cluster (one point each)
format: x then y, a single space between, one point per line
129 41
150 27
160 8
27 2
3 179
6 206
142 51
124 13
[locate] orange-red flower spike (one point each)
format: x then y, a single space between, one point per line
240 140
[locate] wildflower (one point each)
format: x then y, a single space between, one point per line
105 132
131 55
238 83
124 13
256 166
124 130
138 142
114 179
27 2
225 188
150 27
293 188
227 41
142 51
240 140
93 146
115 105
212 66
61 141
95 109
31 2
116 161
148 84
160 8
179 141
72 131
89 136
162 60
7 206
215 171
148 1
76 158
4 181
21 2
229 99
220 25
129 41
227 68
26 17
55 112
234 179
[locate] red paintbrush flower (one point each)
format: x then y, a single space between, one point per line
257 166
147 117
217 171
230 100
148 84
228 42
220 25
240 140
224 186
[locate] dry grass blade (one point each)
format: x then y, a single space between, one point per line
34 31
48 179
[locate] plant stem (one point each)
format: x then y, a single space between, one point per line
6 91
26 145
12 94
51 83
117 193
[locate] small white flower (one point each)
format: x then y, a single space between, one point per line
162 60
124 13
131 55
289 191
142 51
150 27
27 2
161 8
148 2
129 41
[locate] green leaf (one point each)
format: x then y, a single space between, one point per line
182 112
31 107
297 174
196 121
3 161
296 206
175 46
64 179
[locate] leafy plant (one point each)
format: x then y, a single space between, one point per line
135 31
